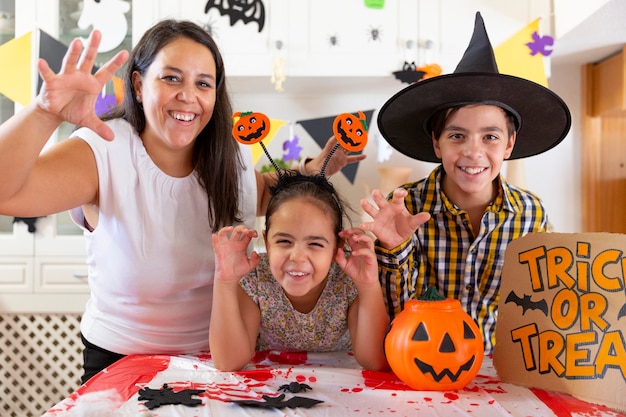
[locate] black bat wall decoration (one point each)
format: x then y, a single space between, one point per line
526 303
409 74
245 10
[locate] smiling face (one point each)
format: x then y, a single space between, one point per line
301 243
472 146
178 96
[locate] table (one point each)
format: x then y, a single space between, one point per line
334 378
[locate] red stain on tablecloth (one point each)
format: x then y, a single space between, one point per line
283 358
451 396
126 376
490 384
257 374
563 405
303 378
383 380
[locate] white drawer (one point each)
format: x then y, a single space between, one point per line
61 275
16 274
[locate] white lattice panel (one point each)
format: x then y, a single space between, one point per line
40 361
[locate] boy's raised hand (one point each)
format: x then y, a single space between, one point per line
392 223
71 94
230 244
361 265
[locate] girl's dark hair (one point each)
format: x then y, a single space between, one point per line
315 189
216 158
440 118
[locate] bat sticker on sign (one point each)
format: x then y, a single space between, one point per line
526 303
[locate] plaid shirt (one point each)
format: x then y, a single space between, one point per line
444 253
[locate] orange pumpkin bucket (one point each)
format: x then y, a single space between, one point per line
434 345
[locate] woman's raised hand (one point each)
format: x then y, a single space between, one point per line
71 94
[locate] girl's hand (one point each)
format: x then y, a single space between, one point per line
361 264
71 94
231 260
392 223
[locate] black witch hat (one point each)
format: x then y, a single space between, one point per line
542 117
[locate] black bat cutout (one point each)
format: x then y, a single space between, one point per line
165 396
245 10
622 312
409 74
277 402
526 303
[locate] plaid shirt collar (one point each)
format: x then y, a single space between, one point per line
435 201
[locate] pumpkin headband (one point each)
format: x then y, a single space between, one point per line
349 130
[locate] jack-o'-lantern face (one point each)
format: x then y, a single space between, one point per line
252 127
434 345
351 131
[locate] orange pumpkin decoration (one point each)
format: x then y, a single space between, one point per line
434 345
430 70
351 131
252 127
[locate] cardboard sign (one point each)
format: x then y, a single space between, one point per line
562 316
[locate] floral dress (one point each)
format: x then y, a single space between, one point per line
324 329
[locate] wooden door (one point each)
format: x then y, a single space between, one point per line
604 145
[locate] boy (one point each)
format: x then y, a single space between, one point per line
450 230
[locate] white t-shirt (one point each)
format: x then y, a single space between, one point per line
150 258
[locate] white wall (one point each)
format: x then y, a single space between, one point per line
554 175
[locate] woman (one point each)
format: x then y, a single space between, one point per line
149 184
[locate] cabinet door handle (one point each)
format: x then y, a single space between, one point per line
80 275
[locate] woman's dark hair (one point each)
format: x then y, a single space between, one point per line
216 158
439 119
314 189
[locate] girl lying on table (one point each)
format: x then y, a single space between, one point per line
306 293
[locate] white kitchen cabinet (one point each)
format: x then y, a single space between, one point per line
44 270
246 50
313 38
346 38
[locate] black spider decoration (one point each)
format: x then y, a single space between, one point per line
375 34
164 396
294 387
277 402
245 10
333 40
210 27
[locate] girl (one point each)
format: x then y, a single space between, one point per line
306 293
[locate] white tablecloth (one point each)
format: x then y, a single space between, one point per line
334 378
